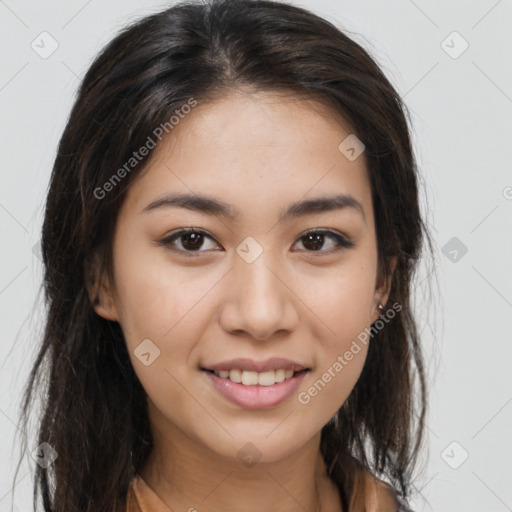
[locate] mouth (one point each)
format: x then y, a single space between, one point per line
255 390
253 378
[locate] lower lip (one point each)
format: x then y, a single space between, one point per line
256 397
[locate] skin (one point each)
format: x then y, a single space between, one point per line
294 302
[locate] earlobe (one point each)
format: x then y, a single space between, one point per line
99 291
382 292
104 305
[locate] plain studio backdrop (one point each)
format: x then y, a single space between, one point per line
451 62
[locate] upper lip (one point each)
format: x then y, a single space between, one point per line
244 364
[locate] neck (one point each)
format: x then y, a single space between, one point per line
187 475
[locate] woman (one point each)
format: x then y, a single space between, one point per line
230 233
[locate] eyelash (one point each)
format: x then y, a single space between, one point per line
341 241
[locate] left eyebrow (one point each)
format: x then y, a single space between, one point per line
323 204
212 206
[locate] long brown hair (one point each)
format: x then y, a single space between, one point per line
94 408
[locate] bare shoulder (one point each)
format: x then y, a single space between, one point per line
377 496
385 496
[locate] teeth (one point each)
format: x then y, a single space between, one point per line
280 375
252 378
235 376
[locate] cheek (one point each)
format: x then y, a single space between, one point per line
160 319
154 298
346 311
342 305
339 368
341 300
334 381
164 311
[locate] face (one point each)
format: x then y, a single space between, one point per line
270 268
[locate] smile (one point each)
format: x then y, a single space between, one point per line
248 378
249 392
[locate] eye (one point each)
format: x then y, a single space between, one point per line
316 240
190 240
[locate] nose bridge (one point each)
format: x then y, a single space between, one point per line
260 303
257 279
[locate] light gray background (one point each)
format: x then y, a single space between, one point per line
462 117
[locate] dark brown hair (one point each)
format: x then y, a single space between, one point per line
94 408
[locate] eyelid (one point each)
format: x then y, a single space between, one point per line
175 235
343 241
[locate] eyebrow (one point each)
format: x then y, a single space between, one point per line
211 206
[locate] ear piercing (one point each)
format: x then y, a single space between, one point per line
381 307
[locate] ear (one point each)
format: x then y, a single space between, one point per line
99 289
382 290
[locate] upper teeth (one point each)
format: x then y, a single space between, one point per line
252 378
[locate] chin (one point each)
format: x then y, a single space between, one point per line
256 445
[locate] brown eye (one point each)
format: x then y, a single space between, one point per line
190 240
313 241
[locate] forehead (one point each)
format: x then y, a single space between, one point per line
261 121
254 150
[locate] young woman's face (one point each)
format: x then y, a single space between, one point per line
248 282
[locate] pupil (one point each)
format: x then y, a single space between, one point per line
194 237
317 244
193 241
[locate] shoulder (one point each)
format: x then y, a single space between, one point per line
131 499
386 497
142 497
382 496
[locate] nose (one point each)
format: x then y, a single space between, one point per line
260 300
